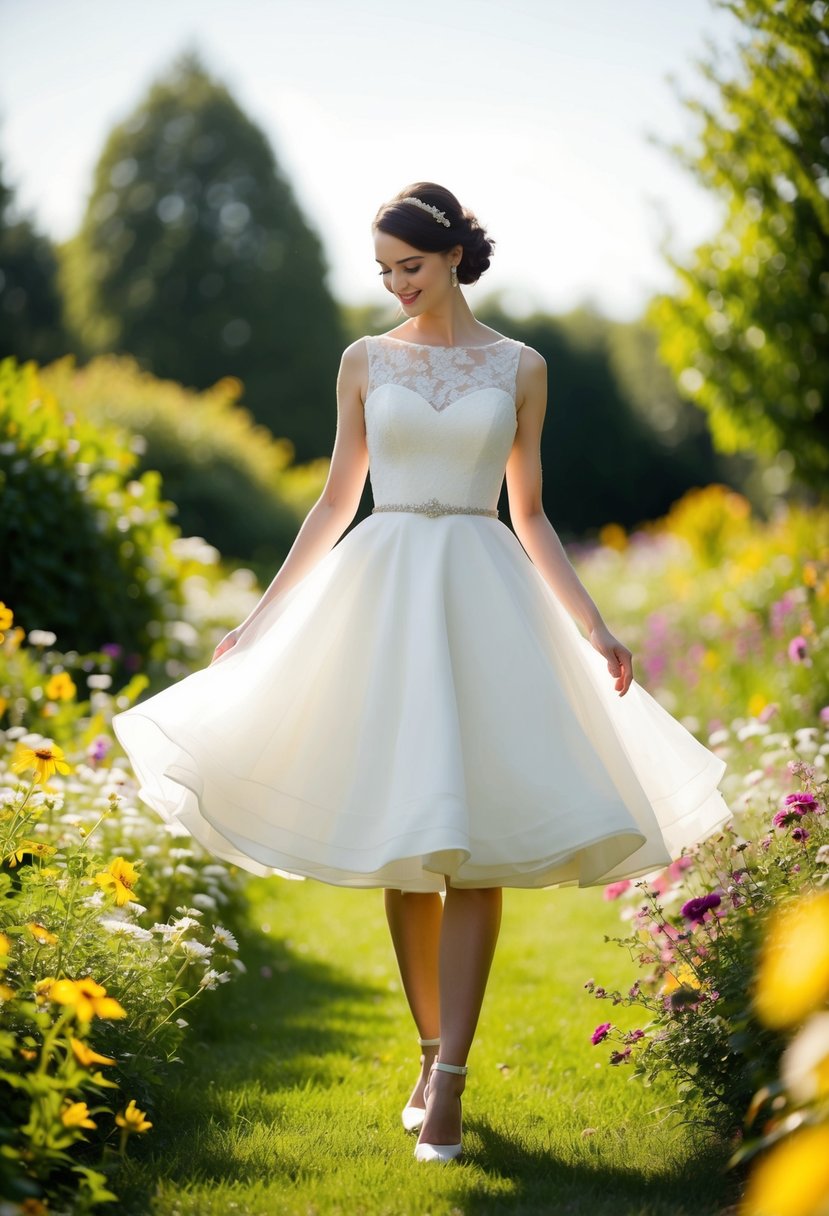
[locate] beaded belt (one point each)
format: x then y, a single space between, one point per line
434 508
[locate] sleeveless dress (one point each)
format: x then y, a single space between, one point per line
421 704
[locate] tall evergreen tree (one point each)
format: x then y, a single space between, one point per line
31 324
746 332
194 257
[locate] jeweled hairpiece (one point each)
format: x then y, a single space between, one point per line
440 216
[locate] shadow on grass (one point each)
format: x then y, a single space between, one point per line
543 1183
289 1027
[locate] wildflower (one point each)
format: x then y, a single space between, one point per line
5 943
620 1057
798 651
98 749
42 637
615 889
45 759
86 1055
822 855
194 949
6 617
41 934
793 972
803 801
38 848
133 1119
224 937
112 650
694 910
804 1066
600 1033
121 876
792 1179
76 1114
88 998
683 977
633 1036
61 687
800 834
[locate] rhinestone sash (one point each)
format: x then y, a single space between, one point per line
433 508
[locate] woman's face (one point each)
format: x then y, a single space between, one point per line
418 280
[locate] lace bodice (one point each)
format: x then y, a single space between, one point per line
440 420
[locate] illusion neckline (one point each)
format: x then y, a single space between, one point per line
433 346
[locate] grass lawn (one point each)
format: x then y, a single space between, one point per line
288 1097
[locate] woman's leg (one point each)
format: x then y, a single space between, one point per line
414 921
469 933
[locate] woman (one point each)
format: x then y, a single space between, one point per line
414 707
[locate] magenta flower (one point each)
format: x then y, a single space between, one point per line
803 800
633 1036
619 1057
798 650
824 715
695 909
615 889
800 834
600 1032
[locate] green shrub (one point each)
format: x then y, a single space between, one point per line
232 482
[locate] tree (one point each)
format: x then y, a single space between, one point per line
194 257
31 325
746 333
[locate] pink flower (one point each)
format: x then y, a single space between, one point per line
615 889
824 715
768 712
803 800
798 651
600 1032
800 834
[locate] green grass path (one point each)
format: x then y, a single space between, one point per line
288 1097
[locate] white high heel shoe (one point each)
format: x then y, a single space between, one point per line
413 1116
442 1152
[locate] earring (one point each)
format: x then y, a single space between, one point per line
453 275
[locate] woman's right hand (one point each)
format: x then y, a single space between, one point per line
229 640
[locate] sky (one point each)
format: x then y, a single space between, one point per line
539 115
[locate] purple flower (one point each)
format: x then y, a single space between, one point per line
803 800
600 1032
798 650
824 715
98 749
633 1036
619 1057
112 649
695 909
800 834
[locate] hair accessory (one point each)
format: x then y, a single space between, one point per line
440 216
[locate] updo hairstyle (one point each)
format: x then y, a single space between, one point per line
422 230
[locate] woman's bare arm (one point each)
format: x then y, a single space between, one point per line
533 528
337 504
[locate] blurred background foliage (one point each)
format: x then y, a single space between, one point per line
190 313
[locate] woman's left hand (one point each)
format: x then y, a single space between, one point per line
619 658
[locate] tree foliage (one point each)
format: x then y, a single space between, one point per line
31 323
746 332
194 257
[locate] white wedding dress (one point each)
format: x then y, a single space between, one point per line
420 703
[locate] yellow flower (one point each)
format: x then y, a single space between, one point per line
6 993
45 760
613 536
38 847
810 574
6 618
4 705
793 971
683 977
792 1179
121 875
61 687
756 705
42 935
42 988
86 1055
76 1114
5 943
88 998
710 659
133 1119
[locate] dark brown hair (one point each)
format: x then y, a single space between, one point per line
421 229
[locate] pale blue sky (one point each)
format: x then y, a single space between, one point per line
534 113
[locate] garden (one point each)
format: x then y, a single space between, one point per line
177 1036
